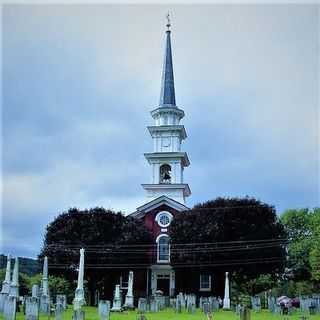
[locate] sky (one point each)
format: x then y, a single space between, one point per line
79 82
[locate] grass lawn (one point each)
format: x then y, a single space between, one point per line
91 313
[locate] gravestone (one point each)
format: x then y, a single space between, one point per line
116 305
226 299
5 284
35 291
62 299
78 315
32 308
172 303
58 312
256 303
178 305
245 313
45 304
142 305
79 299
191 303
206 308
104 309
154 305
129 296
10 305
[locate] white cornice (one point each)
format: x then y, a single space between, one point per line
168 155
168 110
168 128
168 186
142 210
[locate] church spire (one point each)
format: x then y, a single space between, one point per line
167 95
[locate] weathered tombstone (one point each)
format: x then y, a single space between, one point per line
62 299
178 305
5 285
256 303
45 298
10 305
78 315
142 305
104 309
226 299
128 304
79 299
58 312
116 305
206 308
154 305
35 291
32 308
14 285
191 303
245 313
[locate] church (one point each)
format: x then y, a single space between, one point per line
166 193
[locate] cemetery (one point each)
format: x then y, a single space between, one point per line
223 259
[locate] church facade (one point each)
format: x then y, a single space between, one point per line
166 193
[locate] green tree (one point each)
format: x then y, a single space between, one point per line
303 228
242 235
105 235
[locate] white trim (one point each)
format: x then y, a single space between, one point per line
157 219
142 210
208 288
158 247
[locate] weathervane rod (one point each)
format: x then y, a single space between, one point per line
168 21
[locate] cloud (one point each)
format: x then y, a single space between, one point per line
79 82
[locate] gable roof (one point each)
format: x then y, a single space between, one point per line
142 210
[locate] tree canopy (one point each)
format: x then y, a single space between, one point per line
303 228
240 235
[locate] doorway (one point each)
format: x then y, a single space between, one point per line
163 283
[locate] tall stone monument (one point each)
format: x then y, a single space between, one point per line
45 298
116 305
129 296
79 299
226 300
14 286
5 284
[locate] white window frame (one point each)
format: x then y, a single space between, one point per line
158 219
158 248
200 284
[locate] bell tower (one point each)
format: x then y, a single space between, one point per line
167 161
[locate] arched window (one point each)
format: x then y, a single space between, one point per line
165 174
163 248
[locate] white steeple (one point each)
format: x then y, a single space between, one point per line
167 160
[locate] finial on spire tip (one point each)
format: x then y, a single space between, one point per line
168 21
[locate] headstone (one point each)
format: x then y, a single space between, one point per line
206 308
142 305
104 309
256 303
154 306
62 299
58 312
226 300
79 300
172 303
44 297
178 305
78 315
5 284
116 305
245 313
14 285
191 303
45 304
35 291
10 305
32 308
129 296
